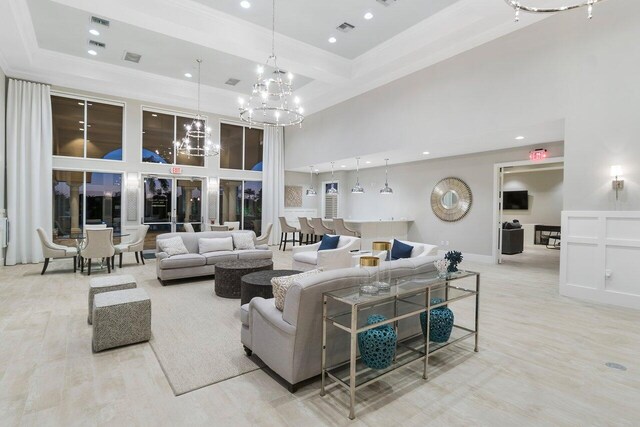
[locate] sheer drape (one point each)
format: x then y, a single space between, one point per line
29 168
273 181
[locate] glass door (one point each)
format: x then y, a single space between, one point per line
169 203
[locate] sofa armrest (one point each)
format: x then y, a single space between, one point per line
267 310
307 248
161 255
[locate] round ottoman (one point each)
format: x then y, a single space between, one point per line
229 273
258 284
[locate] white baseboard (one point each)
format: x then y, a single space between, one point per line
600 297
483 259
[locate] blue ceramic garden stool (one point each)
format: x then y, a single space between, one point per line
378 345
440 322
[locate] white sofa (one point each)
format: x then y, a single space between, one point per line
195 264
289 341
309 257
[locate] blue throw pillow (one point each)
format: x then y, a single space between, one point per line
329 242
400 250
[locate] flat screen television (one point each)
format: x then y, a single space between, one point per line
516 200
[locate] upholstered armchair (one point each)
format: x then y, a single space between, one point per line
135 245
99 244
319 229
285 229
233 225
343 230
219 227
306 230
309 257
52 250
419 249
188 227
263 239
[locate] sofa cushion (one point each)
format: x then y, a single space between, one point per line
243 241
206 245
308 257
220 256
400 250
173 246
182 261
281 286
254 254
329 242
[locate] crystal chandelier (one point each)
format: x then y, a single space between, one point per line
197 140
357 189
518 5
386 189
332 191
270 101
311 191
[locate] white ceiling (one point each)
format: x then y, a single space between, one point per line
314 21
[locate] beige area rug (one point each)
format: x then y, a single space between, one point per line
196 335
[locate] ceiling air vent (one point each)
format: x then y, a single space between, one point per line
386 2
232 82
99 21
97 44
345 27
132 57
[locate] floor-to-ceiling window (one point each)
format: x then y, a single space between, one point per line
159 133
241 201
241 147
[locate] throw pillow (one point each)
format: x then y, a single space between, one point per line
329 242
173 246
242 241
215 244
400 250
281 286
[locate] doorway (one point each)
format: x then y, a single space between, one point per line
527 213
169 203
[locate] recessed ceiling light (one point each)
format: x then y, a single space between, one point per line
94 32
343 166
245 4
332 40
519 138
188 75
368 15
368 162
426 153
317 170
92 52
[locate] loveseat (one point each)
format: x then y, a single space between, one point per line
289 341
195 264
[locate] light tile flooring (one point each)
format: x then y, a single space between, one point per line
541 362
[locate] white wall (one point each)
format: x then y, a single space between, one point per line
545 196
302 180
3 112
563 68
412 184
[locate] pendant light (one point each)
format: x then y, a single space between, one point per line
311 192
357 189
332 191
386 189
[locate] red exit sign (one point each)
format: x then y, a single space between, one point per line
176 170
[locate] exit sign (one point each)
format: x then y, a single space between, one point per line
176 170
538 154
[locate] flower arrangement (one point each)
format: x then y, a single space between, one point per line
454 258
442 265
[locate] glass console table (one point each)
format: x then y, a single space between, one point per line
407 299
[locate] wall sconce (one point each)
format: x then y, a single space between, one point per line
617 183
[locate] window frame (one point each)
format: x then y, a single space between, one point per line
99 100
244 142
175 114
324 197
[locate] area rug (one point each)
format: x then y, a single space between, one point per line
196 335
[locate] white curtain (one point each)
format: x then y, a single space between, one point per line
29 168
273 180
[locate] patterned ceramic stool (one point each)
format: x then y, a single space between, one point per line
378 345
121 318
98 285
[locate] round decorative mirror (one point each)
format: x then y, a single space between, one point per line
451 199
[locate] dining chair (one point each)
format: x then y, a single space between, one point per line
135 245
95 226
99 244
319 229
233 225
343 230
306 230
285 229
188 227
264 237
52 250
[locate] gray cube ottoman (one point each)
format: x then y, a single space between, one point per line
98 285
121 318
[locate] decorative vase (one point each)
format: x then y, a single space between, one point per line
442 266
440 322
378 345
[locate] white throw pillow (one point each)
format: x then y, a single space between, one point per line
282 284
242 241
215 244
173 246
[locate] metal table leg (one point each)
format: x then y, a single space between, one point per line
352 363
477 311
324 345
427 334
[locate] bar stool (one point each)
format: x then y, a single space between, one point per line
285 229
